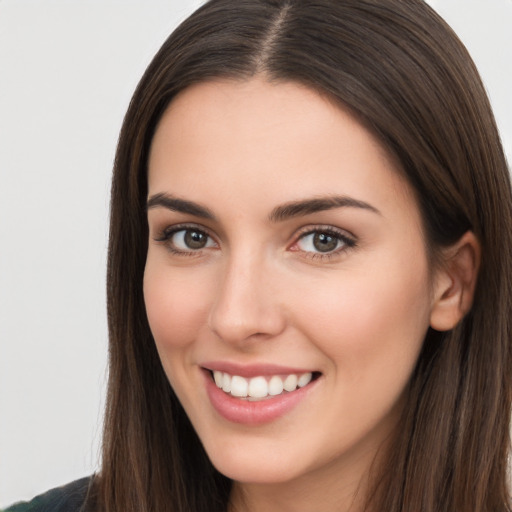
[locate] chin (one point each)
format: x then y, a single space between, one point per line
247 464
255 472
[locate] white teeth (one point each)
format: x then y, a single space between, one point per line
239 386
275 386
218 378
259 387
226 383
304 379
290 383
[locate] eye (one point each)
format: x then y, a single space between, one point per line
193 239
323 242
186 240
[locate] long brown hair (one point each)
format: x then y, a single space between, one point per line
401 70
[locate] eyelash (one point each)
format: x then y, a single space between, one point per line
347 241
166 235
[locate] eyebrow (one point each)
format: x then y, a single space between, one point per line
179 205
308 206
278 214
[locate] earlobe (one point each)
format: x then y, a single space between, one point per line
455 283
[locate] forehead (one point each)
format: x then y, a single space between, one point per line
259 142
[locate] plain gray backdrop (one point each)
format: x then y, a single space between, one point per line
67 71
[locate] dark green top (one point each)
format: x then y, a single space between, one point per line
68 498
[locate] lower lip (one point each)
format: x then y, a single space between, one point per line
259 412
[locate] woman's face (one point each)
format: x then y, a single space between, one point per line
285 252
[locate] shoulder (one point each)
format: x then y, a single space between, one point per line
68 498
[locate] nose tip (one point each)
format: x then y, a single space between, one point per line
246 307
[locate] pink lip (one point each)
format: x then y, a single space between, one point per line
249 413
253 370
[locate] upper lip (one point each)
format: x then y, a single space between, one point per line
253 370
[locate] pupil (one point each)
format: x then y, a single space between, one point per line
324 242
195 239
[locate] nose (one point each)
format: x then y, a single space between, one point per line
246 306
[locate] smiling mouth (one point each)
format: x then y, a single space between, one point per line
261 388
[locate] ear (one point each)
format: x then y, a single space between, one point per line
455 283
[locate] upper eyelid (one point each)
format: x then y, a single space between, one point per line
307 230
174 228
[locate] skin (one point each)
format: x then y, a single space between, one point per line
261 292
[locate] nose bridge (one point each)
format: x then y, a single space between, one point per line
245 303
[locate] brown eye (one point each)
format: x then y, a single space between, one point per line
190 239
195 239
320 242
324 242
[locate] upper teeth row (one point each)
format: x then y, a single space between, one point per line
259 387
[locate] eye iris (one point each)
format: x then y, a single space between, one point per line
195 239
323 242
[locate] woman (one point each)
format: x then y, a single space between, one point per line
309 282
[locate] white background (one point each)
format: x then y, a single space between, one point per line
67 71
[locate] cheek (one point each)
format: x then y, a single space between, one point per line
176 305
370 325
